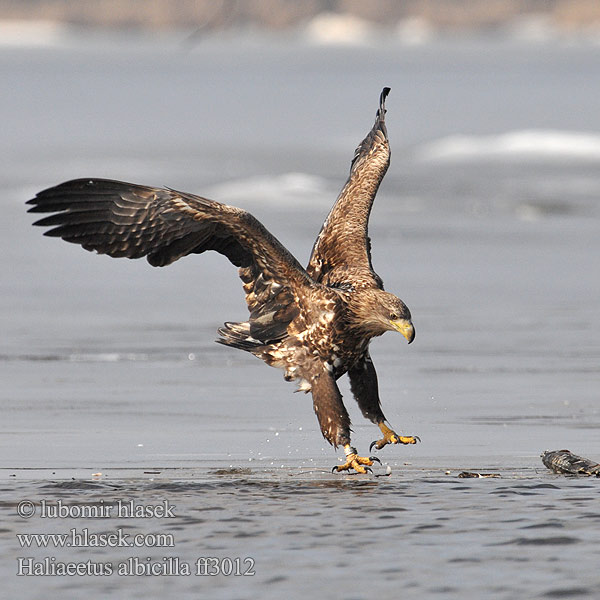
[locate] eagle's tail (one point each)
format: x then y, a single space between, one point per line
237 335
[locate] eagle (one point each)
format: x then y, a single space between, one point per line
314 323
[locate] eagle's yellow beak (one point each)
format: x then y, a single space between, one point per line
405 327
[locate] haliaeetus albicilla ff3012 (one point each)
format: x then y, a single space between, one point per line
314 323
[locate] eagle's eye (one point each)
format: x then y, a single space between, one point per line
394 317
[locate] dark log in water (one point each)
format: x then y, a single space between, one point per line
564 461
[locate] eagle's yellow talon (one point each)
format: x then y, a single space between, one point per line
353 461
391 437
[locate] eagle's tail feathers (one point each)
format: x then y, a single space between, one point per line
237 335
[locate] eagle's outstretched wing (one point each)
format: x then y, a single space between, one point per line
342 253
127 220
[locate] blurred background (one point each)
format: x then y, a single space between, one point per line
459 16
487 224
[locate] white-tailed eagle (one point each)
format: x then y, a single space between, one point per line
314 323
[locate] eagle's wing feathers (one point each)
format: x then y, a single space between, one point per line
127 220
342 250
122 220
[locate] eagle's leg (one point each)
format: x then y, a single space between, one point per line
335 422
363 382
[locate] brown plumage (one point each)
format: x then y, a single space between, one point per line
314 323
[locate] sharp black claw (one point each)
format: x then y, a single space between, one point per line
371 446
417 438
369 469
374 459
335 470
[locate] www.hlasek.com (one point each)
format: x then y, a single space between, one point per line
133 565
85 538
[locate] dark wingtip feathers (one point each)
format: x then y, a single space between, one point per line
382 97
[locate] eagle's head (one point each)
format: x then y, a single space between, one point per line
377 311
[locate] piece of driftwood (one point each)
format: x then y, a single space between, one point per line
472 474
564 461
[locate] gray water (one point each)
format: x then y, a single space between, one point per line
112 388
